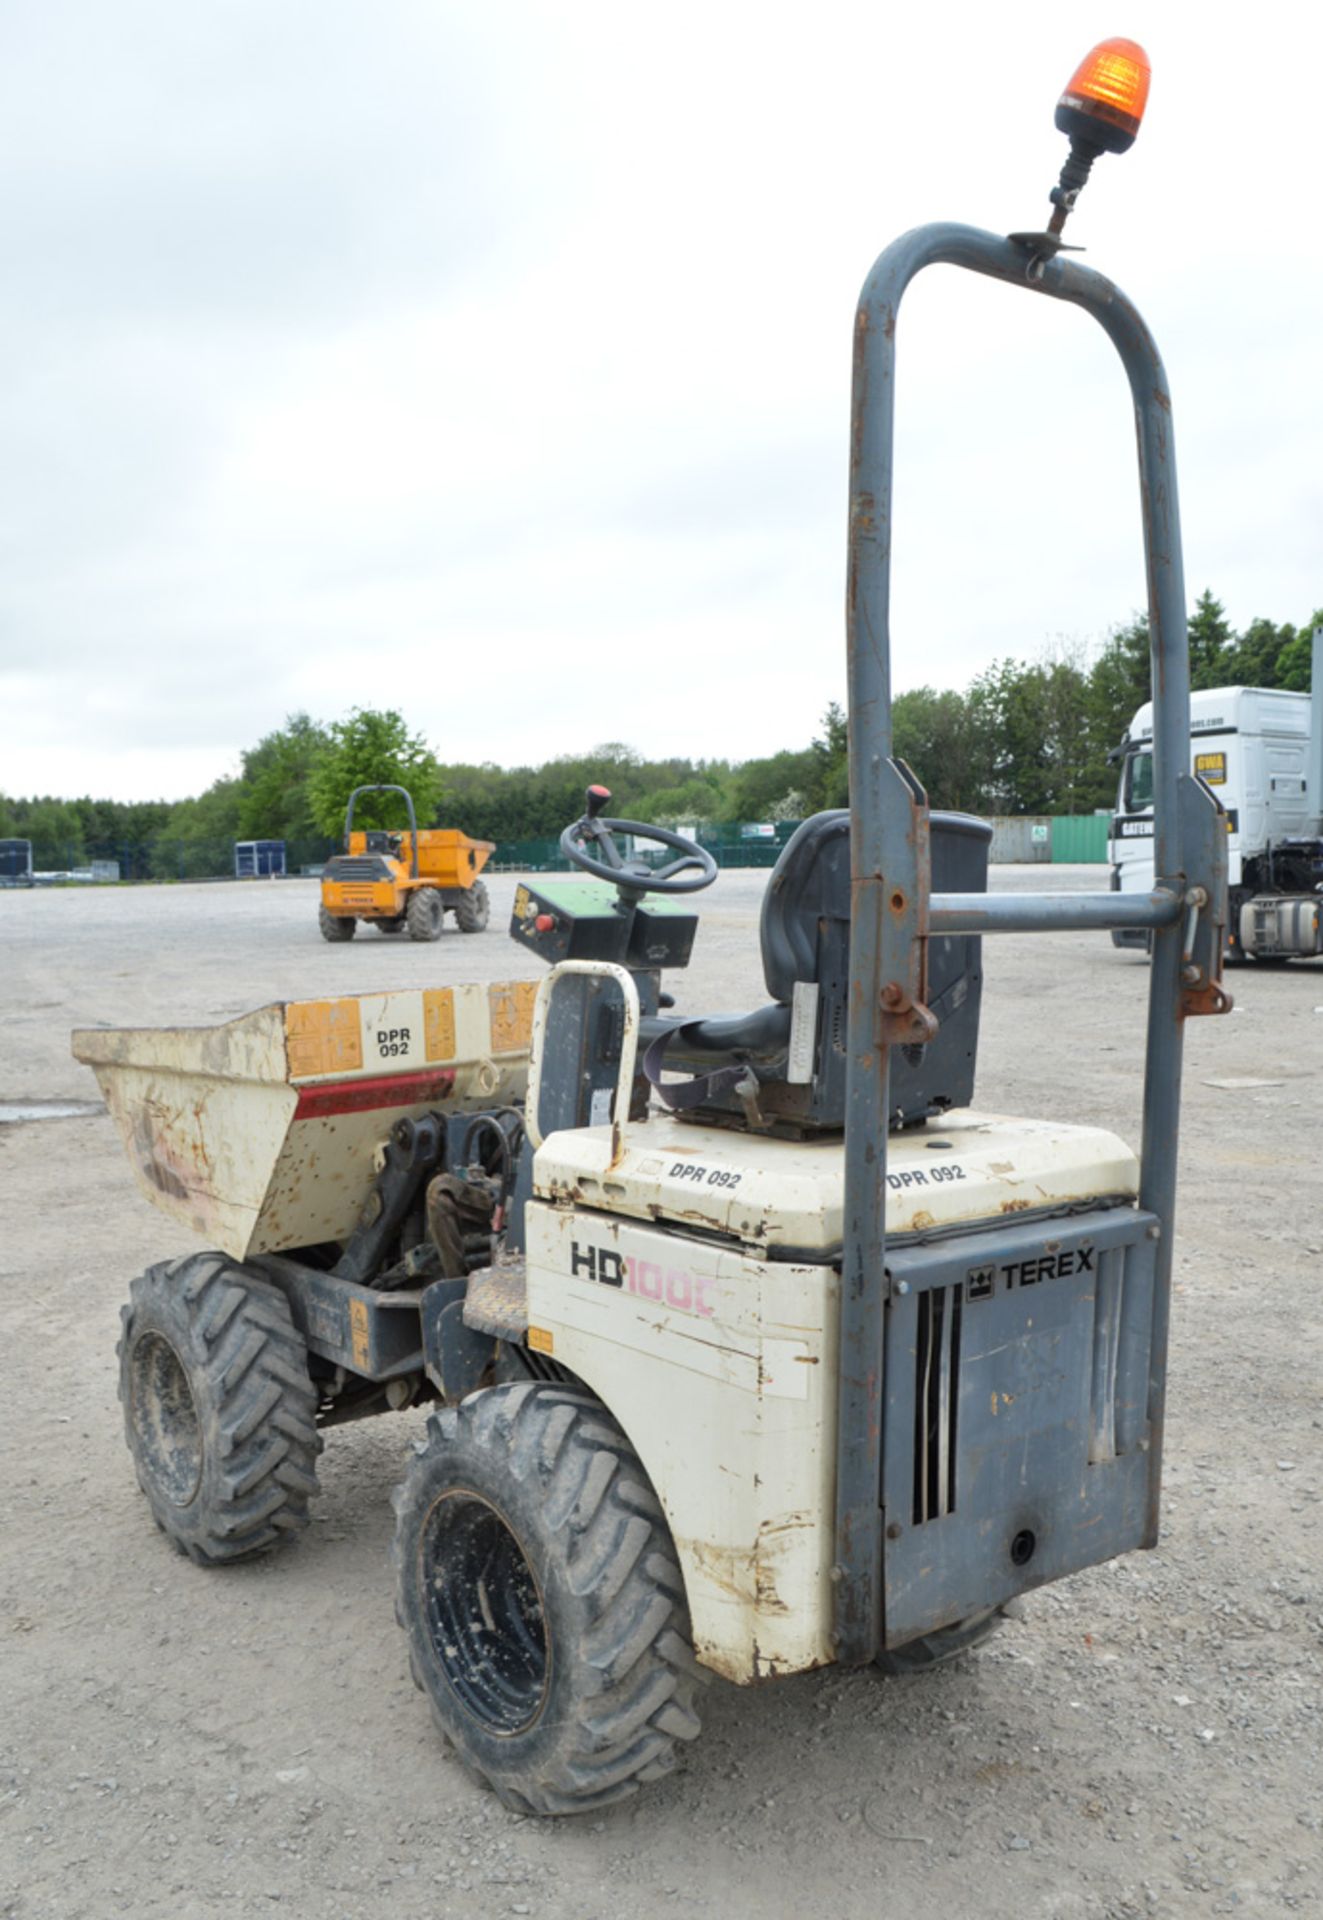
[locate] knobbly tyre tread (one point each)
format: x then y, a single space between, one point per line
473 908
336 926
625 1680
425 915
944 1643
247 1371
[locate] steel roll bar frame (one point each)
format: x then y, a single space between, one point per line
893 911
413 820
1050 912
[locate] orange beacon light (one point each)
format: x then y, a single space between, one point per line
1099 112
1104 101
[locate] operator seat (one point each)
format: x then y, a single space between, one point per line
796 1048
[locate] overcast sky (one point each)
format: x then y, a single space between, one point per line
491 361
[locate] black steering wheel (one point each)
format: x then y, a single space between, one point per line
633 876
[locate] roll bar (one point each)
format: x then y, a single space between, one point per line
894 911
413 820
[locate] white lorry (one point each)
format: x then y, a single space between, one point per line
1261 752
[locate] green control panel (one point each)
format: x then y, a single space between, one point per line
572 919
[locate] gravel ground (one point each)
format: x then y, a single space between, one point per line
1142 1739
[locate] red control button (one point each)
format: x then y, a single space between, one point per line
545 922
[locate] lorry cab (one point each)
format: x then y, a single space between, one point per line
1251 747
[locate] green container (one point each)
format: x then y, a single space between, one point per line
1079 838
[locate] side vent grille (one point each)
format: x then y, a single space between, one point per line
936 1400
539 1367
1109 1424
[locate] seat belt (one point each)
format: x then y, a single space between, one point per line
741 1080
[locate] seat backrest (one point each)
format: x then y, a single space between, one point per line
810 882
806 937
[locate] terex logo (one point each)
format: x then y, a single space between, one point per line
981 1282
674 1286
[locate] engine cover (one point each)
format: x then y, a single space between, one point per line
689 1276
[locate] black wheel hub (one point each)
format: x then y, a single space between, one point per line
484 1613
165 1420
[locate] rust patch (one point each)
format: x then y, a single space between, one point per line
1016 1206
1212 998
769 1600
718 1564
161 1165
718 1662
859 403
905 1021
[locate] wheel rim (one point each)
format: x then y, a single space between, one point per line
165 1420
485 1617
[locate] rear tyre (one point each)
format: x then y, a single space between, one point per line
393 926
424 914
545 1612
218 1407
933 1649
336 926
472 908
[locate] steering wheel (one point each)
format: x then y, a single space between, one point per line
633 876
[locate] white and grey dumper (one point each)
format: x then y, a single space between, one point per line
753 1347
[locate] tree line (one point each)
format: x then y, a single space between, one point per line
1025 737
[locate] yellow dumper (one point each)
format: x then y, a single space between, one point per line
404 882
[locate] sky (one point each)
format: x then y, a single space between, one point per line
491 361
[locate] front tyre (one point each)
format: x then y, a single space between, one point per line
424 914
218 1407
473 908
336 926
545 1612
